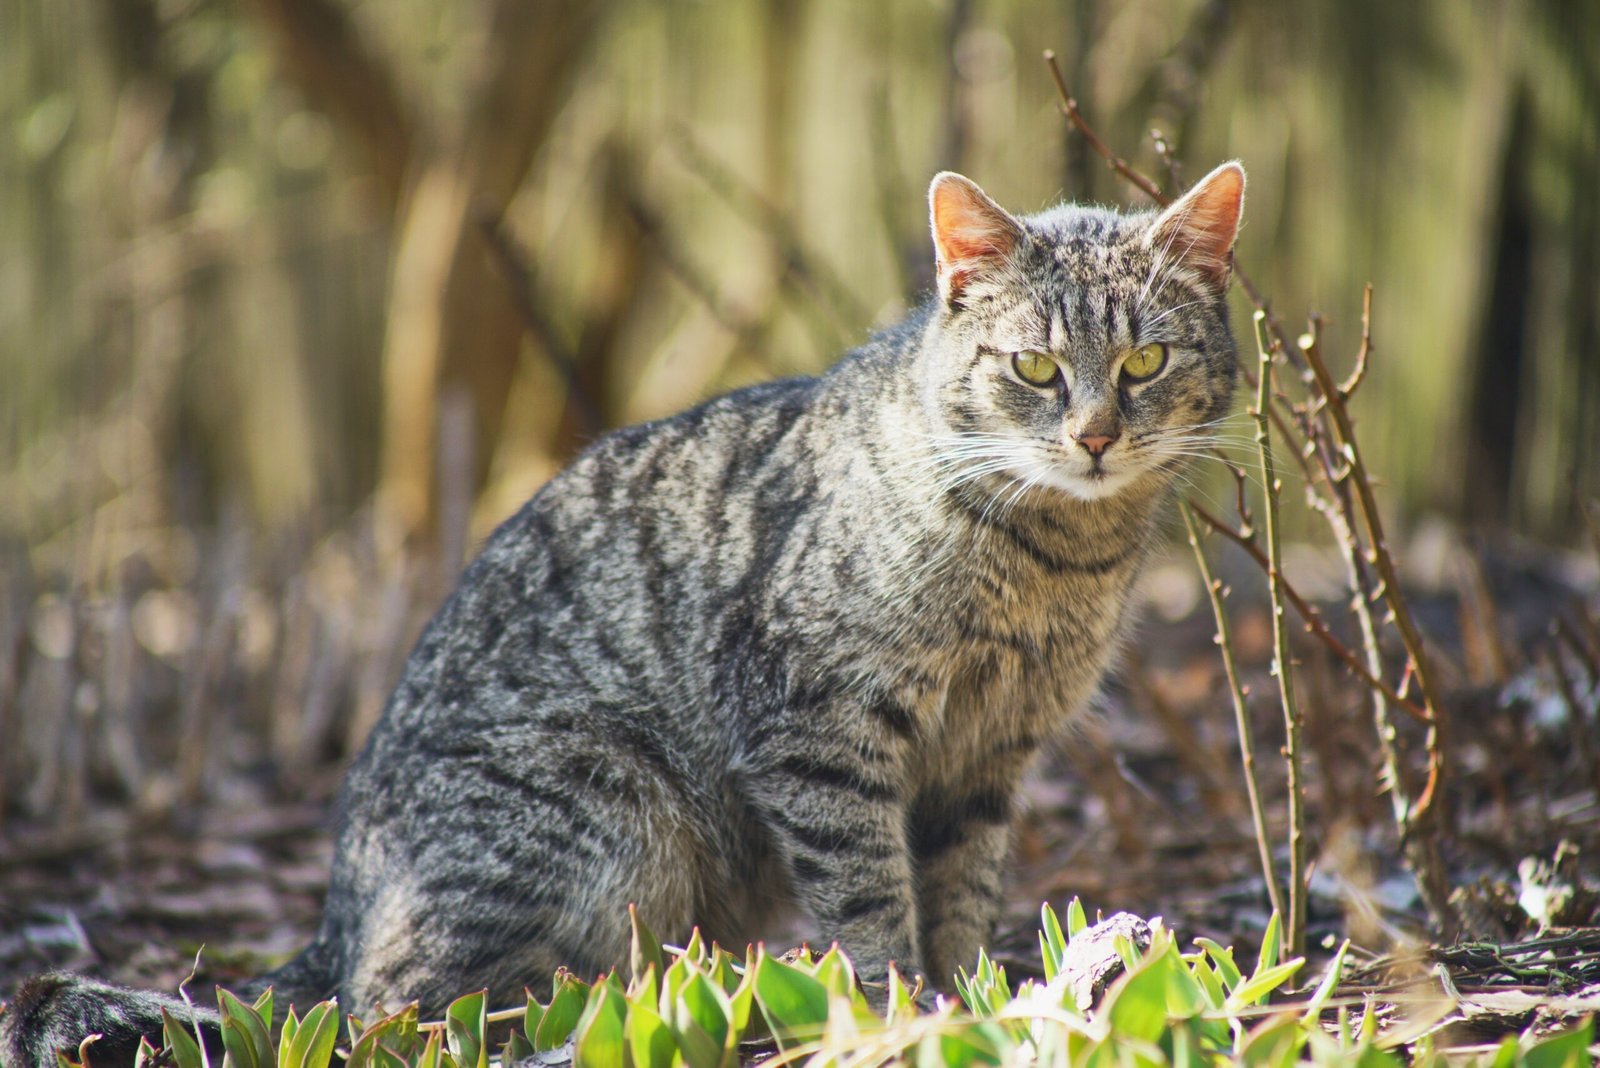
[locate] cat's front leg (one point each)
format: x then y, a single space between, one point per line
838 821
959 841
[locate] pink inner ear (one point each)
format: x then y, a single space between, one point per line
970 231
1200 228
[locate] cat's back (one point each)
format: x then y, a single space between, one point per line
604 587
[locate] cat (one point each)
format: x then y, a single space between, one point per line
793 647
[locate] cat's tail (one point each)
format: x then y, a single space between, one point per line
57 1011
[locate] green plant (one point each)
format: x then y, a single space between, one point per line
699 1007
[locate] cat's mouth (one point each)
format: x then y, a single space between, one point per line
1090 479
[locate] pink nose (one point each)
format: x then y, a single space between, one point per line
1096 443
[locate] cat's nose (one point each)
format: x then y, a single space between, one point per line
1095 443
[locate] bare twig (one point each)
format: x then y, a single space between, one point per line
1315 625
1359 372
1069 108
1295 918
1420 824
1241 712
1168 159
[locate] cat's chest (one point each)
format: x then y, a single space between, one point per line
1013 673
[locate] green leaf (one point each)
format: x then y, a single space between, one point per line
834 972
291 1028
1052 944
531 1015
376 1044
649 1040
465 1022
1185 996
1206 976
722 971
794 1004
900 1006
1127 951
245 1037
700 1021
312 1045
1048 958
1076 920
695 951
1136 1004
145 1055
1222 960
644 948
1254 990
566 1006
1505 1056
1325 989
1275 1043
432 1051
974 1043
739 1005
185 1050
517 1049
600 1041
1569 1050
263 1009
1271 945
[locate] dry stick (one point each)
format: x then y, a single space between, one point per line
1311 617
1419 824
1379 556
1337 512
1295 919
1241 713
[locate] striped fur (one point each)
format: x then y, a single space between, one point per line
791 648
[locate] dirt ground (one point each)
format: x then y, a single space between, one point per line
1141 809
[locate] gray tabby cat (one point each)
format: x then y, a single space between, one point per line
794 647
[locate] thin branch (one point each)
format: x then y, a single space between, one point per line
1379 556
1293 721
1241 713
1069 108
1359 372
1315 625
1168 159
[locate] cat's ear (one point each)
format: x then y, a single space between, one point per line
1199 228
972 235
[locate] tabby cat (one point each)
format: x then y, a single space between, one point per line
791 648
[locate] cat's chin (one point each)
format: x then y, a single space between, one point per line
1095 485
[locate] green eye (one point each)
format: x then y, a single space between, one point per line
1035 368
1146 362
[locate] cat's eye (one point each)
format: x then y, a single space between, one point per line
1035 368
1145 363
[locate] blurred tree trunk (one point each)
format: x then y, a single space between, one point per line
453 324
452 319
1494 399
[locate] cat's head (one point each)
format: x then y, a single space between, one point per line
1081 349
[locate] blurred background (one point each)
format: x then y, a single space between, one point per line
298 298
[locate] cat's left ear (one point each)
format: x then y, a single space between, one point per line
972 235
1199 227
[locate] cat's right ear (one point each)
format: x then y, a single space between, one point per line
972 235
